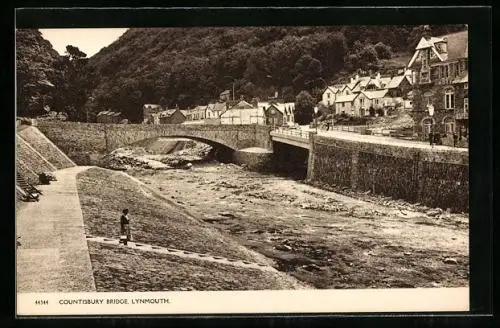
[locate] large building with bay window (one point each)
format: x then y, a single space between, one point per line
440 84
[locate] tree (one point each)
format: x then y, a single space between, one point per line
304 107
37 76
372 111
74 53
383 51
368 58
380 111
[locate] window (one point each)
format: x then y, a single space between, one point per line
466 86
449 98
328 95
445 71
361 102
424 77
466 104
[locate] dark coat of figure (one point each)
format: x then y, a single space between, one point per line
125 227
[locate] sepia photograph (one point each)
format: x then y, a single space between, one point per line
152 163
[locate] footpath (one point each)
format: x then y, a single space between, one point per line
53 255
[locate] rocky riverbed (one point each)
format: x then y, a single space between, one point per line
324 238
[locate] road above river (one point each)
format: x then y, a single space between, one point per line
325 239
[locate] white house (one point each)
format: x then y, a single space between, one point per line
243 113
345 104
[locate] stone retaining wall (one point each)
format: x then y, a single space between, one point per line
436 178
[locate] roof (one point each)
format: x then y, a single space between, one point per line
225 92
375 94
357 88
219 106
168 112
461 79
385 80
458 45
109 113
152 106
334 89
396 81
261 104
210 106
243 105
200 107
284 108
351 85
346 98
364 80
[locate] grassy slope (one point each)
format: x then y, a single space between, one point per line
104 193
126 270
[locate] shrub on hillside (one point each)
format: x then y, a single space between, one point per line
383 51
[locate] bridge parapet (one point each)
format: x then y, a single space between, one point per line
75 137
295 137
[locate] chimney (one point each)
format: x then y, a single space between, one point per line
426 34
276 94
357 78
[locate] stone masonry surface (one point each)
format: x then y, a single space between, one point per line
434 177
76 139
48 150
31 158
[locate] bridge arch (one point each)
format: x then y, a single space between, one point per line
234 137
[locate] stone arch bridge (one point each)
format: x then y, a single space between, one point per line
99 137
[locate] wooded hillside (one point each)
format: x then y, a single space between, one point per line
191 66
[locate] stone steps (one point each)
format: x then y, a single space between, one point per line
183 253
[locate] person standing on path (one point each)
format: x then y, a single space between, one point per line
455 139
125 227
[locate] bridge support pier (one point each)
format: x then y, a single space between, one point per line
255 159
310 161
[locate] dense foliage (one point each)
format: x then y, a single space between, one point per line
190 66
35 73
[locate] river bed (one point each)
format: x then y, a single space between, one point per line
323 238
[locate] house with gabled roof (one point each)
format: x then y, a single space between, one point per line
331 93
439 68
345 104
278 113
243 113
399 86
170 116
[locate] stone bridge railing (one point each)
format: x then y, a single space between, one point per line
84 138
